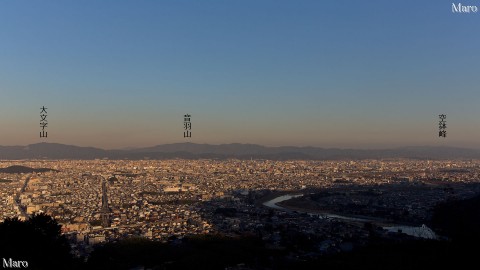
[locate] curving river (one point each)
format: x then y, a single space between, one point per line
420 231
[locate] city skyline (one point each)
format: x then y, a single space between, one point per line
340 74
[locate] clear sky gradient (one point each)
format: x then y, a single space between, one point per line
349 74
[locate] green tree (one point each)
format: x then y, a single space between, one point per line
37 240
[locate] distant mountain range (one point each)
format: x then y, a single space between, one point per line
234 150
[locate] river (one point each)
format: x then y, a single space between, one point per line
420 231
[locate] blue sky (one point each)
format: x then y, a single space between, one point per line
356 74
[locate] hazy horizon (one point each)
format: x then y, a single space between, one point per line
343 74
262 145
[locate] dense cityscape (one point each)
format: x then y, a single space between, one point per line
329 202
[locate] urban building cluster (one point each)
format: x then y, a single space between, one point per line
102 200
